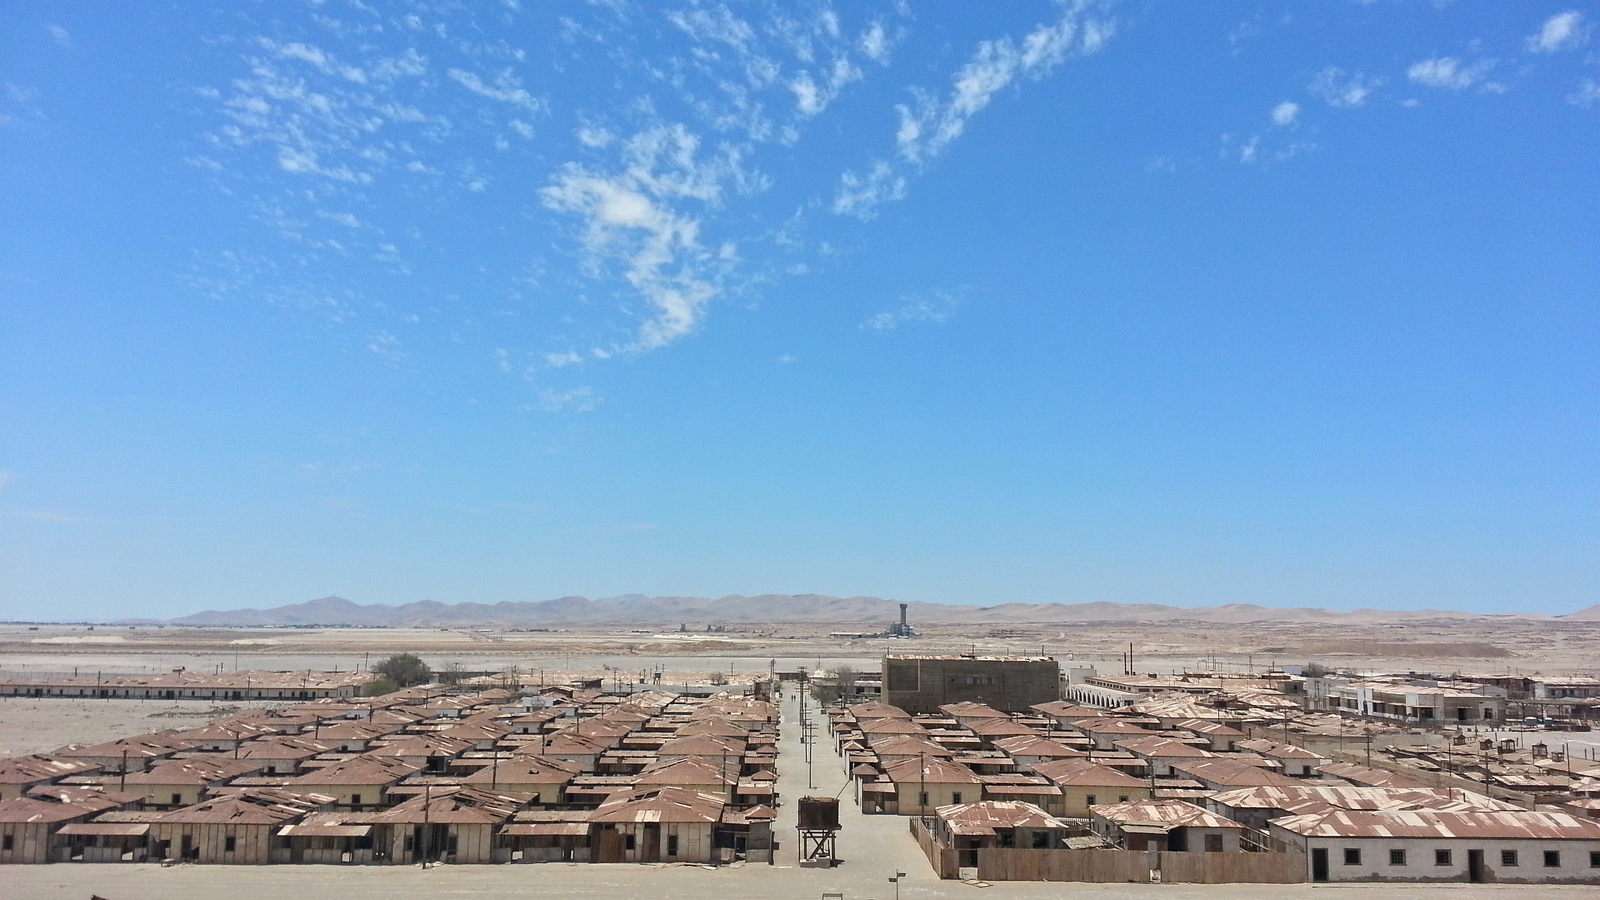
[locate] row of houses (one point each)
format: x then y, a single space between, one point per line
566 775
181 684
1070 791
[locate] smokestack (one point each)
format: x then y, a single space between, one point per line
903 614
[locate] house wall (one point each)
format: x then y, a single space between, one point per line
1421 866
371 794
252 843
694 841
938 795
474 843
30 841
161 794
1077 800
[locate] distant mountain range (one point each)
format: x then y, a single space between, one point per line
797 608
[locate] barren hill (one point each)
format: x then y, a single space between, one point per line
793 608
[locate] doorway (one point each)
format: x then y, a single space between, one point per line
1475 866
650 844
1319 864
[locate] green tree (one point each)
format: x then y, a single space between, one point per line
404 669
379 686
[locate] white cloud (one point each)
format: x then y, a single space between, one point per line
1587 94
874 44
860 196
1336 89
630 219
386 345
927 131
579 400
1286 113
561 360
1562 31
506 89
594 137
939 308
812 96
717 24
1448 73
59 35
346 219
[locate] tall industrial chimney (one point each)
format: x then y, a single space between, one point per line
903 614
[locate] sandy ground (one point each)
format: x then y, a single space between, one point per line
1442 646
146 882
36 726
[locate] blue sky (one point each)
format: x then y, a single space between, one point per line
1278 303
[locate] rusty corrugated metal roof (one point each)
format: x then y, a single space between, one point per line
1508 825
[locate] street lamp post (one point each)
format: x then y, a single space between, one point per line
895 880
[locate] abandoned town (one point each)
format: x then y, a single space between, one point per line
1023 758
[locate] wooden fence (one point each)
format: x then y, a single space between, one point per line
943 860
1111 866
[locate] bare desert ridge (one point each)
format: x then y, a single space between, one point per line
802 608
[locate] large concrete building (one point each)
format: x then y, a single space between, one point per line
923 683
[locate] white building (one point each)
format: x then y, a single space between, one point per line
1426 845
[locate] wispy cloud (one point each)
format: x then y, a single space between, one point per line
575 400
348 220
927 128
861 195
385 345
1449 73
1286 114
506 89
60 35
1346 91
939 306
1562 31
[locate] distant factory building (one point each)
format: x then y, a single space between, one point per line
902 628
923 683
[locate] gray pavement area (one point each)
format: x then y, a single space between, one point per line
871 848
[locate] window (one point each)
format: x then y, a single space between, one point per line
1508 857
922 799
1088 799
672 845
1441 857
1213 843
229 844
355 799
1041 840
6 842
628 842
1122 798
1397 857
1552 859
955 796
177 799
1594 859
1352 856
